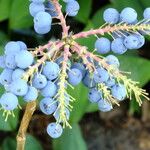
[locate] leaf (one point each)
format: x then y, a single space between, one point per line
85 10
19 15
70 140
5 6
79 106
144 3
31 144
9 143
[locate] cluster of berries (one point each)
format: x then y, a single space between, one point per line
43 12
49 71
122 40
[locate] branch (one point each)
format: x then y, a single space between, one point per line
110 29
21 137
61 18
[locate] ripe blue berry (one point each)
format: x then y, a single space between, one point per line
67 1
112 60
74 76
48 106
94 95
2 61
131 42
34 8
38 1
17 74
117 46
19 87
111 15
12 48
141 40
22 45
31 95
57 114
9 101
104 106
100 75
88 81
146 13
79 66
6 76
42 30
72 8
49 90
54 130
39 81
102 45
51 9
42 19
51 70
10 61
128 15
24 59
110 82
119 92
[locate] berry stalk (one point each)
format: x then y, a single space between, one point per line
21 137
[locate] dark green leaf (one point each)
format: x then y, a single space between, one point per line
70 140
79 106
85 10
19 15
9 143
5 6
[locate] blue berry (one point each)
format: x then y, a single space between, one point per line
24 59
128 15
39 81
104 106
111 15
54 130
94 95
112 60
38 1
146 13
118 47
12 48
79 66
131 42
57 114
31 95
2 61
19 87
102 45
51 9
67 1
88 81
119 92
100 75
48 106
34 8
42 19
72 8
42 30
49 90
110 82
51 70
9 101
22 45
10 61
17 74
141 40
6 76
74 76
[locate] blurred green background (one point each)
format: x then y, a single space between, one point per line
17 24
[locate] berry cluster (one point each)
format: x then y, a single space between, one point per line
122 40
43 12
48 70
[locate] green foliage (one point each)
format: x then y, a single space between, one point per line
70 140
31 143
